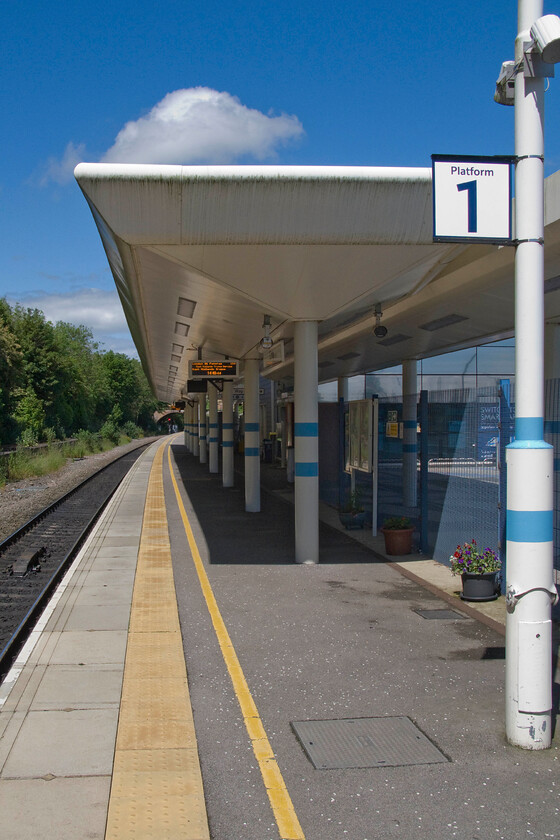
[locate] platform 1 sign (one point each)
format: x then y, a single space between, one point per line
472 198
207 369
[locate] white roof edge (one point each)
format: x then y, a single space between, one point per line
129 171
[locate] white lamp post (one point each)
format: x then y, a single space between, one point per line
529 584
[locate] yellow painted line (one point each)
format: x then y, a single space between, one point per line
156 787
280 801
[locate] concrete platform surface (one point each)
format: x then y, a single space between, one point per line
266 643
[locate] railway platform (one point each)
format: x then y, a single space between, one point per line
190 681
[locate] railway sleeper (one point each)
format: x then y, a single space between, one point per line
27 562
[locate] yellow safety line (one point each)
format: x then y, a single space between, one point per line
284 812
156 786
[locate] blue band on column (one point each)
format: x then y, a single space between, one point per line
252 452
307 469
306 429
529 526
227 443
227 425
528 428
213 425
409 447
251 427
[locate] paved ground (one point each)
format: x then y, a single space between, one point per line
343 640
339 641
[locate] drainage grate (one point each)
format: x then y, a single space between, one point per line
365 742
433 614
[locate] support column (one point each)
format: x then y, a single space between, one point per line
195 429
227 434
529 584
306 439
342 383
212 428
189 427
203 444
252 438
410 437
186 425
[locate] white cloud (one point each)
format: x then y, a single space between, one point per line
98 309
201 125
62 171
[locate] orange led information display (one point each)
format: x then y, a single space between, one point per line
205 369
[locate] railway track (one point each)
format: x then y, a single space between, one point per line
34 558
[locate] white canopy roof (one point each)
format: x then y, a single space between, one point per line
201 253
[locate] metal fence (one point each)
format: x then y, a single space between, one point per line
462 440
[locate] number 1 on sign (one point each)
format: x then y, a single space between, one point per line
470 187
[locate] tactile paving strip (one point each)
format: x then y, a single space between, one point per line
156 789
365 742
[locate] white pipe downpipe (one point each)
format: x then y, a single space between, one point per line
529 522
252 438
227 435
306 442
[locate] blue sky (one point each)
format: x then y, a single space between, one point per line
374 84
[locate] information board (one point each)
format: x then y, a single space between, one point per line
360 431
472 198
206 369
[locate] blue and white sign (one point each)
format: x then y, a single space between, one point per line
472 198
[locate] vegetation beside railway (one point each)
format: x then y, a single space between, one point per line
55 384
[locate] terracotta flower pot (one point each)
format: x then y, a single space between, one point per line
398 541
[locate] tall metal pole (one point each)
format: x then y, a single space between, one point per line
529 459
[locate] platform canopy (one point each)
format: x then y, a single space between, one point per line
200 254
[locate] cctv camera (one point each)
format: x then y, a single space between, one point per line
545 33
266 343
379 331
505 86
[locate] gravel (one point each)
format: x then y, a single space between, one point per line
21 500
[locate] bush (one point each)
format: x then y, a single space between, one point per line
28 438
50 435
109 431
131 430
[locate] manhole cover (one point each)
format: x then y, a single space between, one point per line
365 742
434 614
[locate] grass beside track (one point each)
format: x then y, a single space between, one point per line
28 463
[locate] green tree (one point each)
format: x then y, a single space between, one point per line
10 373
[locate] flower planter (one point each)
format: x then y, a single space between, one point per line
479 587
352 520
398 541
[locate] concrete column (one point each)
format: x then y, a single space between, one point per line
252 438
213 428
306 440
195 429
227 434
343 388
189 427
410 437
186 425
203 436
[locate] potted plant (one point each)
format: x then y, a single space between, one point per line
479 571
352 513
398 531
